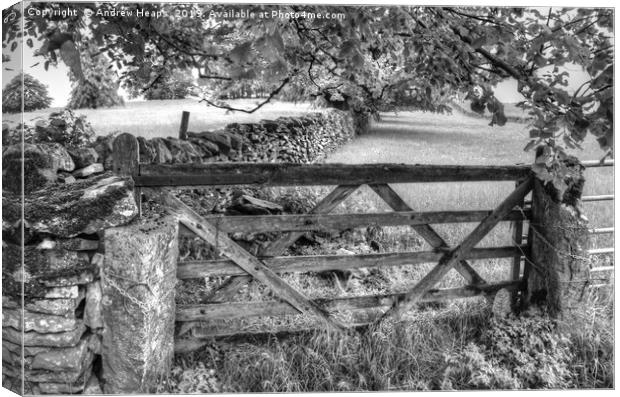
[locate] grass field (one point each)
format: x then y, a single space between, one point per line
446 347
152 119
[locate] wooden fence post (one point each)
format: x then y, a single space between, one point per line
516 261
126 161
184 125
558 267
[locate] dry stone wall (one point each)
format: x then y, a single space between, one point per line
60 327
302 139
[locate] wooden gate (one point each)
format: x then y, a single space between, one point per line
153 179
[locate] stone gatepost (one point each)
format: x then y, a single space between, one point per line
559 269
138 282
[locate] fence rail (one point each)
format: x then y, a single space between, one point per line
598 163
289 174
601 230
601 251
601 197
322 263
228 311
326 222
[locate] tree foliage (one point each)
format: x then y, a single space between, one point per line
365 58
177 84
98 86
34 94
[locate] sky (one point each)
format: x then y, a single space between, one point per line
57 80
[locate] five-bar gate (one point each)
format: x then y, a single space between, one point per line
152 180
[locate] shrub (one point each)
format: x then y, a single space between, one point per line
470 368
35 95
65 128
513 353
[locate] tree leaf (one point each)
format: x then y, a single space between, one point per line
241 53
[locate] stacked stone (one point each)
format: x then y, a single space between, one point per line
302 139
52 318
46 164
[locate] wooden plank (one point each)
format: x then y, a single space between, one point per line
237 310
321 263
597 163
528 265
184 125
602 269
327 204
601 230
204 335
242 258
601 197
328 222
516 261
126 161
585 199
601 251
457 254
427 232
286 174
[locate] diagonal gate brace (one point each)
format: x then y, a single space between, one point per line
249 263
457 254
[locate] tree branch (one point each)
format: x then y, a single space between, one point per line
466 15
260 105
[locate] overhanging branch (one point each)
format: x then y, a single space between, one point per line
260 105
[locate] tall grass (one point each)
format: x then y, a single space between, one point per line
457 347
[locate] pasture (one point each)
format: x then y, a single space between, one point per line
161 118
436 347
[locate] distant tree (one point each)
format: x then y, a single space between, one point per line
175 85
99 85
34 93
